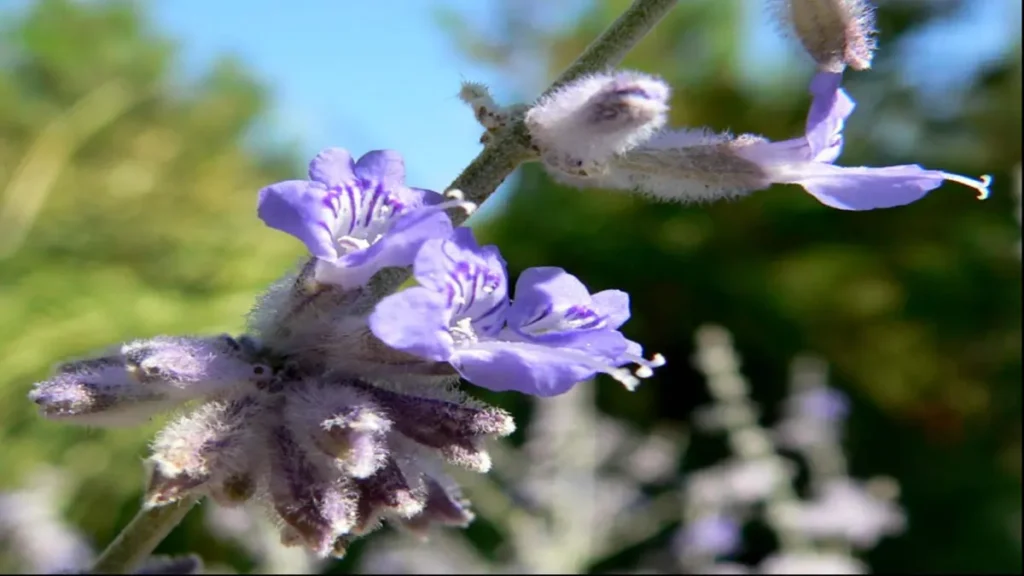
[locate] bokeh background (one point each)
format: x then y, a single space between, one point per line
134 136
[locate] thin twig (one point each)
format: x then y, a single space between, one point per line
140 537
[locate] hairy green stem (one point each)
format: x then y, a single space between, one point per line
478 181
140 537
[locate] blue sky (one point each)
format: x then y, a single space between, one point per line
362 75
383 74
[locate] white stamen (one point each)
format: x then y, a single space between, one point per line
981 185
462 332
458 200
623 376
646 369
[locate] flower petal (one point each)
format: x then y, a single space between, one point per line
472 278
863 188
414 320
614 304
303 209
554 308
523 367
332 167
397 247
385 168
542 289
830 108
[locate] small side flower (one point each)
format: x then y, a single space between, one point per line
356 218
695 165
552 336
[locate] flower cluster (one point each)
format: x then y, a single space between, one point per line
339 409
359 219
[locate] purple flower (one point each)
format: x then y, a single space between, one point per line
822 403
694 165
552 336
808 161
355 217
712 535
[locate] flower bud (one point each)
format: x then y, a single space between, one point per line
836 33
143 378
215 442
595 117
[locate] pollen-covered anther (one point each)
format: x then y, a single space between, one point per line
836 33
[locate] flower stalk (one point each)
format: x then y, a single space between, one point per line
140 537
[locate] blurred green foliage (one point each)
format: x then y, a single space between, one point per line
126 210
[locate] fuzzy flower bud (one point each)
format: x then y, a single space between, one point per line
836 33
144 377
343 424
452 428
215 441
386 492
582 124
317 506
444 506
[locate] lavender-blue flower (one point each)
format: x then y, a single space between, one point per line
552 336
355 217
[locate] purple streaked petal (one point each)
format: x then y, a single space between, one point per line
474 275
830 108
863 188
332 167
397 247
422 197
523 367
384 168
543 286
303 209
553 307
416 321
614 305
